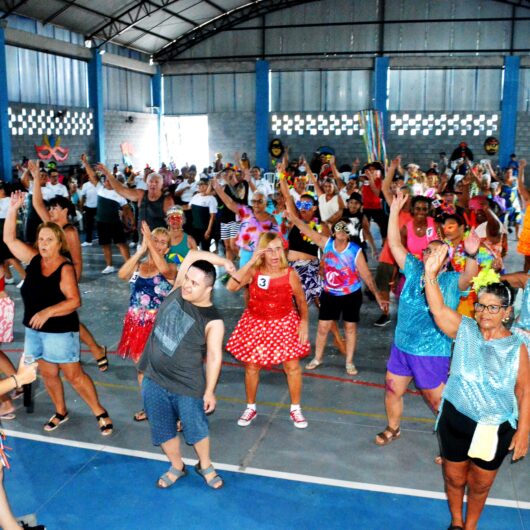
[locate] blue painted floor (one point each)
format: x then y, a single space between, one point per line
80 489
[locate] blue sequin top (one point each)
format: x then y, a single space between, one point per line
416 331
483 374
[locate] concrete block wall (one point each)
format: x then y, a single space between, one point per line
418 148
141 135
522 139
24 145
230 133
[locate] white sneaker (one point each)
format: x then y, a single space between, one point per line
20 284
9 281
86 244
108 269
247 417
298 419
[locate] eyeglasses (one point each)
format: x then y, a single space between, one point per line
303 205
257 201
492 309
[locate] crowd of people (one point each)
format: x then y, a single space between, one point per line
305 237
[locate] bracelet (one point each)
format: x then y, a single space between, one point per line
16 382
472 256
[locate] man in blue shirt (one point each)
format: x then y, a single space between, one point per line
420 352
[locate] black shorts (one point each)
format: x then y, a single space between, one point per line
455 432
333 307
111 233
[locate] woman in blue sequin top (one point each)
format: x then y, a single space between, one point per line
485 410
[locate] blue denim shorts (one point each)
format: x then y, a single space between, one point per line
57 348
164 409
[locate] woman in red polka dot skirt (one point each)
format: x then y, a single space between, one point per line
272 330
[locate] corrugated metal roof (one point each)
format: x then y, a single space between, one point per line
145 25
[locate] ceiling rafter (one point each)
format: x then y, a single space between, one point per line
11 6
177 15
129 19
68 4
215 6
223 22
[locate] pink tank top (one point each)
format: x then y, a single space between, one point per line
416 244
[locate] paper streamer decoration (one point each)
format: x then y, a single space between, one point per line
373 135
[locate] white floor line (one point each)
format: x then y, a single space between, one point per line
505 503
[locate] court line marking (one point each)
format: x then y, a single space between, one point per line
308 479
279 370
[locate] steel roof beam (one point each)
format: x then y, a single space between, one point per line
129 19
177 15
67 5
12 7
224 22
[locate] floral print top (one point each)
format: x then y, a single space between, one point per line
250 228
148 293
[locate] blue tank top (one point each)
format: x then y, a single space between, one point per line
523 322
340 273
481 384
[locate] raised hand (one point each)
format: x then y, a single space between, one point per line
17 200
433 262
399 201
472 242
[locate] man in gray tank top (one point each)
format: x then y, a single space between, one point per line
178 384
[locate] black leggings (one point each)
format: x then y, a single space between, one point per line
455 432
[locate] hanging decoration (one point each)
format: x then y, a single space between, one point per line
373 135
51 148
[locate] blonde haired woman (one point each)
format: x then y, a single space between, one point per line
271 331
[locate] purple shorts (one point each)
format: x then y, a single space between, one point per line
428 371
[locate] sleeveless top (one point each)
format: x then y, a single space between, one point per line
39 292
301 243
327 208
340 273
148 293
152 212
270 298
177 253
416 244
481 384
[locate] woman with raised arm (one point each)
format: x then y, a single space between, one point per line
271 331
59 211
150 281
330 203
344 268
255 220
485 410
51 297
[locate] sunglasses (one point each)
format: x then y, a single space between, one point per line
257 201
492 309
303 205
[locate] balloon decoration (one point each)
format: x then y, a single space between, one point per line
491 145
371 122
51 148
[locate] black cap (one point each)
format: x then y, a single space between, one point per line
356 197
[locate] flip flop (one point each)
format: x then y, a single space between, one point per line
8 416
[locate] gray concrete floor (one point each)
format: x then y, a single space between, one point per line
344 413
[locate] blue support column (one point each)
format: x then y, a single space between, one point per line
510 92
5 133
158 101
96 102
380 98
262 114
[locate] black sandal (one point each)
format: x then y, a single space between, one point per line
103 362
51 426
106 428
